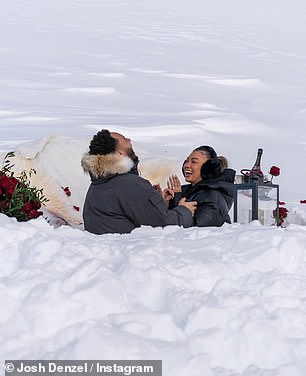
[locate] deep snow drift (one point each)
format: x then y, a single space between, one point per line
208 301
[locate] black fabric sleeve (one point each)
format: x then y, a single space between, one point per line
176 199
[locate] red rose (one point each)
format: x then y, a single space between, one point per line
5 181
67 191
26 208
14 181
35 205
4 205
274 171
283 213
33 214
10 191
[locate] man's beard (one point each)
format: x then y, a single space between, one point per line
130 153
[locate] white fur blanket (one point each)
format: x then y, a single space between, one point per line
56 160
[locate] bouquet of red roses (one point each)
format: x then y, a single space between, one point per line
17 198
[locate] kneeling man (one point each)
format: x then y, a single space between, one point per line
118 199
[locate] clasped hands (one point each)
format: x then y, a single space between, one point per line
174 186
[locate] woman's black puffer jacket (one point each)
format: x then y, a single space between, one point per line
214 196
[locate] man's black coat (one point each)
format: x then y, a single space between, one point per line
119 200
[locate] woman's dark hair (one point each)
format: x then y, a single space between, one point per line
207 149
102 143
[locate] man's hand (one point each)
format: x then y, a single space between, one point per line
168 194
191 205
157 188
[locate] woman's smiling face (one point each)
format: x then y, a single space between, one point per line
192 166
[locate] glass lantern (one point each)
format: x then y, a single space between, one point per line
255 200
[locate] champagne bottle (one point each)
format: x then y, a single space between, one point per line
256 169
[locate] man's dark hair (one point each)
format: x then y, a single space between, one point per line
102 143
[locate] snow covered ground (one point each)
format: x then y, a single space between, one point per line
207 301
171 75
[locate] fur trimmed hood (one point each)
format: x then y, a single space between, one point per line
99 166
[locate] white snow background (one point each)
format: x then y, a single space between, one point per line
172 75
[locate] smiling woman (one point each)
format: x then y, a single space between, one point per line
193 165
210 184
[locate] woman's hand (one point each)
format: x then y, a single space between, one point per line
191 205
174 184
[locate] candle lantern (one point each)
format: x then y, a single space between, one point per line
255 199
